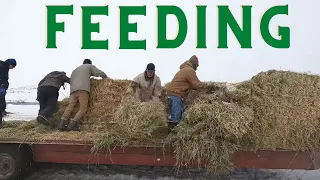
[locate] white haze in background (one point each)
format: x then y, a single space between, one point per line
23 36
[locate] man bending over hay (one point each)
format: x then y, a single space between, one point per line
48 94
147 85
184 80
79 91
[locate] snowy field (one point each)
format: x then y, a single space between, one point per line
22 105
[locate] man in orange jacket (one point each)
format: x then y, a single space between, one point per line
184 80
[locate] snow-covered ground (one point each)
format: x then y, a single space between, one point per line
22 105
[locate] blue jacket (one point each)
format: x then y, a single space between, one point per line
4 74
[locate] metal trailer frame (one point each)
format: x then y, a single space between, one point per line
80 153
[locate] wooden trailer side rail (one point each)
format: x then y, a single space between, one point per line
79 153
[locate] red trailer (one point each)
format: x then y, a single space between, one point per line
16 157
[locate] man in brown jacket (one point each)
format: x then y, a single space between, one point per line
184 80
79 90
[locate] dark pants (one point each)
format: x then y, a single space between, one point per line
2 108
47 97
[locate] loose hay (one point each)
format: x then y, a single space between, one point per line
275 109
210 133
219 118
286 109
141 120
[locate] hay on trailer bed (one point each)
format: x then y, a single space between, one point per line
275 109
286 109
111 111
211 131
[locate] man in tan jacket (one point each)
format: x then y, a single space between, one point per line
184 80
80 91
147 85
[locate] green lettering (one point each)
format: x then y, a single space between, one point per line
201 30
126 27
88 27
163 42
52 25
283 32
243 36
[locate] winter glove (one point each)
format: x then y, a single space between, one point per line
2 92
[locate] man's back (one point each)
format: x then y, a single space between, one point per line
4 70
80 77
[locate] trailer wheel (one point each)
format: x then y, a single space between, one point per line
11 163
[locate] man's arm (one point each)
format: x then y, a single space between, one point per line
66 79
194 80
97 72
135 84
5 85
157 89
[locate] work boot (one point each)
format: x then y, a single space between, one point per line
171 126
73 126
43 120
62 125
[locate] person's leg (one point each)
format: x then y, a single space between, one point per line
41 97
176 109
67 113
2 109
51 102
5 106
72 103
83 100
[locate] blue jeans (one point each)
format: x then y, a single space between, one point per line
176 109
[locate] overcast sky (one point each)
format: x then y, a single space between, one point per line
23 36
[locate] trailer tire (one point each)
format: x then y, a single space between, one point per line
12 166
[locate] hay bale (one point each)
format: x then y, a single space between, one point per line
141 120
210 132
227 120
105 99
286 110
275 109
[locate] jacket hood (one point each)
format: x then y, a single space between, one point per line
186 64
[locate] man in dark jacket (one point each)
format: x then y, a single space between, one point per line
48 93
5 66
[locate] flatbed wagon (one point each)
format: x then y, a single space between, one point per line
16 157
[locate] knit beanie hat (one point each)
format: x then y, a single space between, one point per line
194 60
12 62
151 67
87 61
